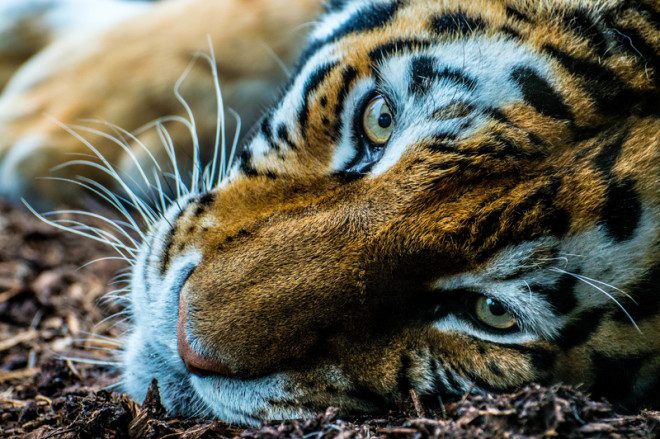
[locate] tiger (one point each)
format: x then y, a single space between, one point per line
444 197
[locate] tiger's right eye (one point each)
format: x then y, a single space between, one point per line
493 313
378 121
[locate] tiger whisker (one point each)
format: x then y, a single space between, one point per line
152 185
104 338
90 361
107 168
103 259
125 147
56 224
611 297
193 125
220 139
117 225
104 194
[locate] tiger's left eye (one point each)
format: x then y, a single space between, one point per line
378 121
493 313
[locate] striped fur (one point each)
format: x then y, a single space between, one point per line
523 167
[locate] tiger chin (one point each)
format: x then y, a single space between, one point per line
448 197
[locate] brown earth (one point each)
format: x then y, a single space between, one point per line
51 316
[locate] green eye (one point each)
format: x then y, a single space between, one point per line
494 313
378 121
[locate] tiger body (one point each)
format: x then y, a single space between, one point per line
495 223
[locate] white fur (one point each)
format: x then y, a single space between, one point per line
487 59
151 347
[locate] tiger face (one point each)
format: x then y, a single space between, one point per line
448 197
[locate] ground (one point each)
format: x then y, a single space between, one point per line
52 315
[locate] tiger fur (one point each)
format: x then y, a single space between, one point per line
505 232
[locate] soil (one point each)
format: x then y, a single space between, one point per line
57 381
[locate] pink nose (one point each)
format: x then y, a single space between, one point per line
194 362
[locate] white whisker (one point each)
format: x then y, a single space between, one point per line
120 226
611 297
193 126
90 361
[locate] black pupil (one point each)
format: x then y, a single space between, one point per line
384 120
496 308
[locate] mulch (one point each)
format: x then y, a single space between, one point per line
52 316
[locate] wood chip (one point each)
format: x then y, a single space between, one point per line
419 408
21 337
9 294
18 374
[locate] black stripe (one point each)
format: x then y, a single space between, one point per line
510 32
423 75
207 199
649 12
539 93
438 386
246 167
455 23
615 377
283 136
581 328
169 242
203 204
267 132
335 5
313 82
506 147
498 115
397 46
611 95
402 379
499 147
583 26
371 17
516 14
622 211
645 293
454 386
555 221
542 358
422 70
535 140
348 77
561 295
609 155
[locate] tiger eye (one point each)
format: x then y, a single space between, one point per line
378 121
493 313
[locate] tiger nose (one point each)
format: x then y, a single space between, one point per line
195 363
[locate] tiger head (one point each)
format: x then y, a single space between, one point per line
448 197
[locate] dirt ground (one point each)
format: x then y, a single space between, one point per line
52 315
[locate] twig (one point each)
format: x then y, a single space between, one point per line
19 338
419 409
18 374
